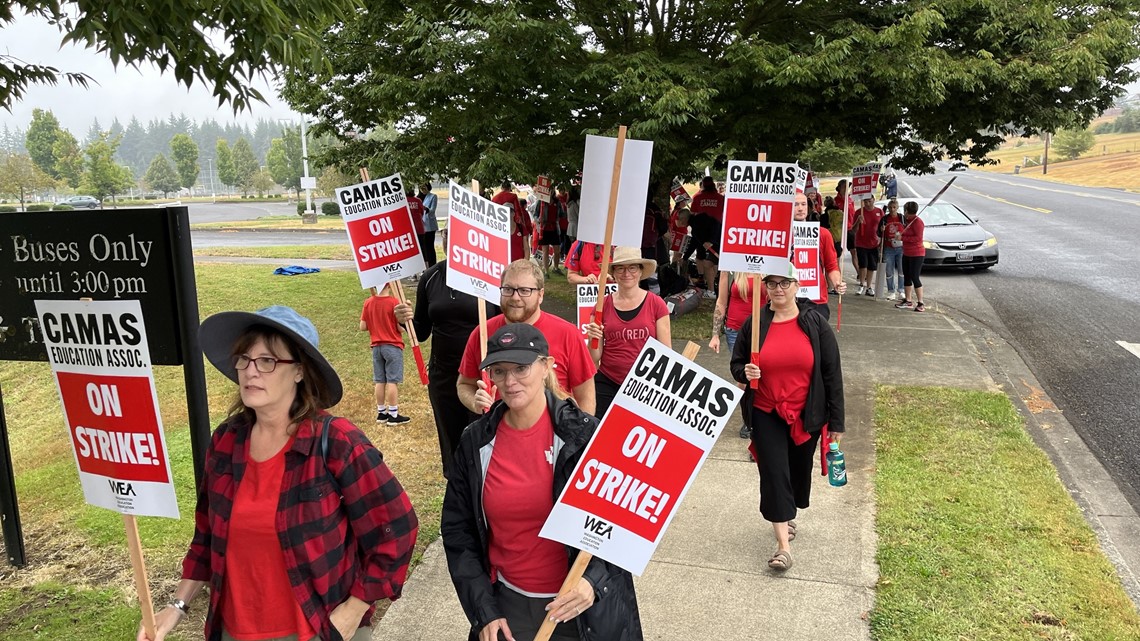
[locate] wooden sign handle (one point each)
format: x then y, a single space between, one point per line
575 575
139 566
756 284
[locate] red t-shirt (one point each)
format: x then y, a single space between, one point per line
850 209
708 202
786 363
548 216
416 209
739 309
564 221
867 234
891 226
584 258
517 497
257 600
522 223
829 260
623 341
679 232
572 362
380 318
912 238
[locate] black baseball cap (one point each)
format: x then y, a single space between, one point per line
520 343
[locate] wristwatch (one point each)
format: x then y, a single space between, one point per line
181 605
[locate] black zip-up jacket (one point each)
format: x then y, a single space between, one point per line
463 526
824 404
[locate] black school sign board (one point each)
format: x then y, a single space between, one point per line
125 254
103 255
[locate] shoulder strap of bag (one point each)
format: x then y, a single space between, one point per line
325 452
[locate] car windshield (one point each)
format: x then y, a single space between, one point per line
942 215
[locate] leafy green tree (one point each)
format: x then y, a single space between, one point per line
161 176
41 137
284 160
184 151
245 165
222 49
225 159
68 158
707 79
826 157
332 178
21 177
102 176
262 182
1071 143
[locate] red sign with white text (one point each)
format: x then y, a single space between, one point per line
543 188
113 426
863 181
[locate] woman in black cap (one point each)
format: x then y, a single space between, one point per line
300 527
511 464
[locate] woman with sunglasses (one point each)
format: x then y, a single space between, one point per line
510 466
630 317
300 527
799 397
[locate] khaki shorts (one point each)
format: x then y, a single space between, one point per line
362 634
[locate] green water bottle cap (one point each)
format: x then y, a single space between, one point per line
834 447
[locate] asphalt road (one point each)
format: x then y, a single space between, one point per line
1067 289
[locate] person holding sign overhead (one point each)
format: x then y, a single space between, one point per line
521 302
510 466
799 397
630 316
300 526
828 261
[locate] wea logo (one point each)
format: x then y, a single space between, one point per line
599 527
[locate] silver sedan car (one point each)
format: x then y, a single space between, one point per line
952 238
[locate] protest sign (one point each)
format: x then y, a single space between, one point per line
863 181
478 243
597 180
806 258
756 234
642 459
810 186
543 189
587 300
678 193
101 362
380 230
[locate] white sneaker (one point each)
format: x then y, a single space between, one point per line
892 296
871 292
710 294
862 290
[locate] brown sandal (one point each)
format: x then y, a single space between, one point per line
791 531
781 561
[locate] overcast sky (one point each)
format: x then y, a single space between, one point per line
122 92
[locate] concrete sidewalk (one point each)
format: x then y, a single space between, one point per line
710 572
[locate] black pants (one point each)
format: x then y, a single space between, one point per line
605 390
822 308
912 271
524 615
785 468
451 416
427 246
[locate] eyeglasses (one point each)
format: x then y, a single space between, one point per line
624 269
783 284
264 364
525 292
519 372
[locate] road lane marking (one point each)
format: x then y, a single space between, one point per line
1000 200
1132 347
1080 194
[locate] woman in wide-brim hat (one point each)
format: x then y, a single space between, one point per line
300 527
630 317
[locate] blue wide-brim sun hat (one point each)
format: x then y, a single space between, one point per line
219 332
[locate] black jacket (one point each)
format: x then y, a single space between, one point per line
824 404
614 615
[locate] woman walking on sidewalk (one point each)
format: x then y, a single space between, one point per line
511 464
914 253
799 397
733 308
891 229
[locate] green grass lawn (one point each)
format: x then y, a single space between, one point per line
978 539
78 583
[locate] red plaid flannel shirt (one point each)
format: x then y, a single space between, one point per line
334 548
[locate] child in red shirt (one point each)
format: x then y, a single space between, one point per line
379 319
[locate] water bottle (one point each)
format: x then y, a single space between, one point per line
836 466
